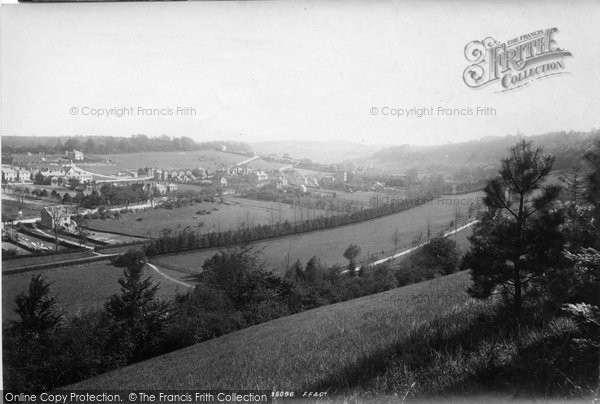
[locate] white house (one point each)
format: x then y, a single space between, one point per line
9 174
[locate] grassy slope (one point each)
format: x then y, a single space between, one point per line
78 287
427 340
303 350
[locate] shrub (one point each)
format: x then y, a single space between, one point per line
129 257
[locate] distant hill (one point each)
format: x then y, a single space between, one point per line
330 152
568 147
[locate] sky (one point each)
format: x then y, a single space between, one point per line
281 70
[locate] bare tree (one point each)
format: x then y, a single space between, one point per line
57 212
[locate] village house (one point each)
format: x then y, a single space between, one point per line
22 174
258 177
9 174
280 182
56 181
76 155
220 181
200 173
72 172
160 189
55 213
341 176
45 177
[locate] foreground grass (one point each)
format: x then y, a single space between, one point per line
424 341
303 350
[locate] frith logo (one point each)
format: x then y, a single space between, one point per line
514 63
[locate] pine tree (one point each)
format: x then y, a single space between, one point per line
351 253
38 310
593 179
519 238
139 316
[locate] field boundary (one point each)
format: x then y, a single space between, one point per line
117 233
37 267
402 253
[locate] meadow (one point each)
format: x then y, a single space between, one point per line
234 214
78 287
207 159
373 236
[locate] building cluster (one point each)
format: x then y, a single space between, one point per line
52 176
220 177
15 174
60 177
57 171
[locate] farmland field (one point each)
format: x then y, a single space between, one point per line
29 208
372 236
369 197
207 159
43 259
77 287
214 217
300 351
7 245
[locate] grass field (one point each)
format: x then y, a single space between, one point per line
43 259
78 287
372 236
368 197
207 159
231 216
28 208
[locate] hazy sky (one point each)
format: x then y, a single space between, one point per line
286 70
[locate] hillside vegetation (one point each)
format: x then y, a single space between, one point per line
305 349
567 147
421 340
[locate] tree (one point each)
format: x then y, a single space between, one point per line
351 253
253 290
396 238
74 183
519 238
82 233
593 179
38 309
67 199
413 175
140 317
57 212
574 184
440 253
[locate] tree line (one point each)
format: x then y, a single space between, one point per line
112 145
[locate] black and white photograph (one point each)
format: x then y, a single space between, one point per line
386 201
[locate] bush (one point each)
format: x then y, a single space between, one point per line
128 258
9 253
